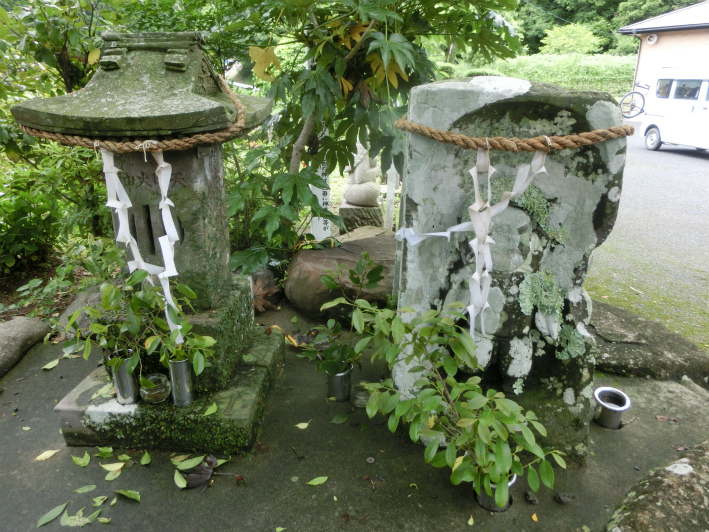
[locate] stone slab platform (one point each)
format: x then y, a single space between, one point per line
232 429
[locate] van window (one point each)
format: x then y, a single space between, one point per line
663 88
687 89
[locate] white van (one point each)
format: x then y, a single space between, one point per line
677 110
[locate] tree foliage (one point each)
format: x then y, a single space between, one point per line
603 17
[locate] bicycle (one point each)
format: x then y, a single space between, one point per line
633 103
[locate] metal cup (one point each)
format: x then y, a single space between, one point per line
613 403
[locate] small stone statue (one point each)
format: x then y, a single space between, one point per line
362 189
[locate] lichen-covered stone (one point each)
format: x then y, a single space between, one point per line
674 498
200 215
543 240
148 85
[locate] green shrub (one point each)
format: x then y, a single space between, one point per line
481 72
29 224
575 38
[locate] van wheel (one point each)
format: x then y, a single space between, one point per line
652 139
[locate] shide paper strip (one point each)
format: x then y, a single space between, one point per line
119 201
481 214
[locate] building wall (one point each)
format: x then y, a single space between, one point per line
687 49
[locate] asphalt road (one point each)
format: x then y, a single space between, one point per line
660 243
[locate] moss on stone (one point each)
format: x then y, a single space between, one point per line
539 289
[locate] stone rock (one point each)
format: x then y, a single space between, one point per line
16 338
89 297
354 216
306 292
633 346
550 231
674 498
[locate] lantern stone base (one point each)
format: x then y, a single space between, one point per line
231 429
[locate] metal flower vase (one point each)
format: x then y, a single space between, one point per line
181 374
338 386
487 502
126 384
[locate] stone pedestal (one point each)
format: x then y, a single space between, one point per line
354 216
543 240
232 429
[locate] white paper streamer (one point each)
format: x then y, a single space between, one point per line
119 201
481 214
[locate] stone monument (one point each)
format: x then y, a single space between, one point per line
360 205
167 191
520 229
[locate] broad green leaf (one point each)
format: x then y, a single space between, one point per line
83 461
527 434
104 520
186 291
192 462
131 494
431 450
113 475
198 362
180 480
358 320
532 479
317 481
450 366
339 418
559 460
145 460
113 501
211 410
502 493
503 456
98 501
450 454
465 422
124 457
547 474
113 467
540 428
51 515
280 529
373 404
93 515
51 364
104 452
86 489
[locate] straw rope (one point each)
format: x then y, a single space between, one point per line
144 145
543 143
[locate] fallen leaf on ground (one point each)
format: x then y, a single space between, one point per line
317 481
302 426
51 364
51 515
662 418
535 518
46 454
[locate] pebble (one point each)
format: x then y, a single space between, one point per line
531 497
562 498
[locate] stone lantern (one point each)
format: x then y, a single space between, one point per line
159 115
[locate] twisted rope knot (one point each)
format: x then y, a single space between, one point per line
541 143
